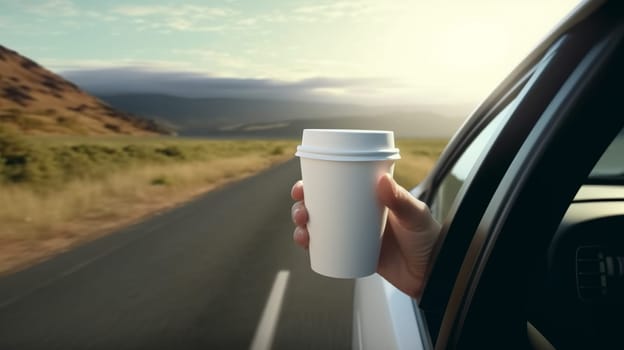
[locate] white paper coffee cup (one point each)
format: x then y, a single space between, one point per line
340 170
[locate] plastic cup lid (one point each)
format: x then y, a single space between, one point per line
347 145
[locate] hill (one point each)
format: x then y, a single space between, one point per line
245 117
189 111
403 125
33 100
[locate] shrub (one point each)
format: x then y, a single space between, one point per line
161 181
278 150
14 153
49 163
171 151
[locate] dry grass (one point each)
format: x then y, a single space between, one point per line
30 214
37 224
417 158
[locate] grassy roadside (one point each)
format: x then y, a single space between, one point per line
59 191
417 158
56 192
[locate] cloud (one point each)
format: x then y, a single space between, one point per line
77 65
247 21
320 12
6 22
101 16
348 9
64 8
219 58
336 9
175 17
173 10
120 80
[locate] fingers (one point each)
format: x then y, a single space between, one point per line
301 237
299 214
297 191
412 213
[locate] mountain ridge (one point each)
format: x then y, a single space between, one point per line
240 117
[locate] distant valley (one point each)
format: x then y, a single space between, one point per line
244 117
34 100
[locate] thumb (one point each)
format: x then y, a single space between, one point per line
410 212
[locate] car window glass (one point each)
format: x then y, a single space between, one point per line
611 164
449 187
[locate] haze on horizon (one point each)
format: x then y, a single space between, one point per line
364 51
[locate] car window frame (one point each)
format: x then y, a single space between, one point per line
507 102
434 303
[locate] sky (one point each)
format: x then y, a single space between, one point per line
373 51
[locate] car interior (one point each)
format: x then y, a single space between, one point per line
576 299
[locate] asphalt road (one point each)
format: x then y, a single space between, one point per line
196 277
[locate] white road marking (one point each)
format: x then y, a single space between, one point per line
263 339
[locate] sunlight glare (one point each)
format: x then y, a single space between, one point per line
457 49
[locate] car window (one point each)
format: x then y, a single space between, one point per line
611 164
453 181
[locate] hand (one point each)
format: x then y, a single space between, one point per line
408 240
